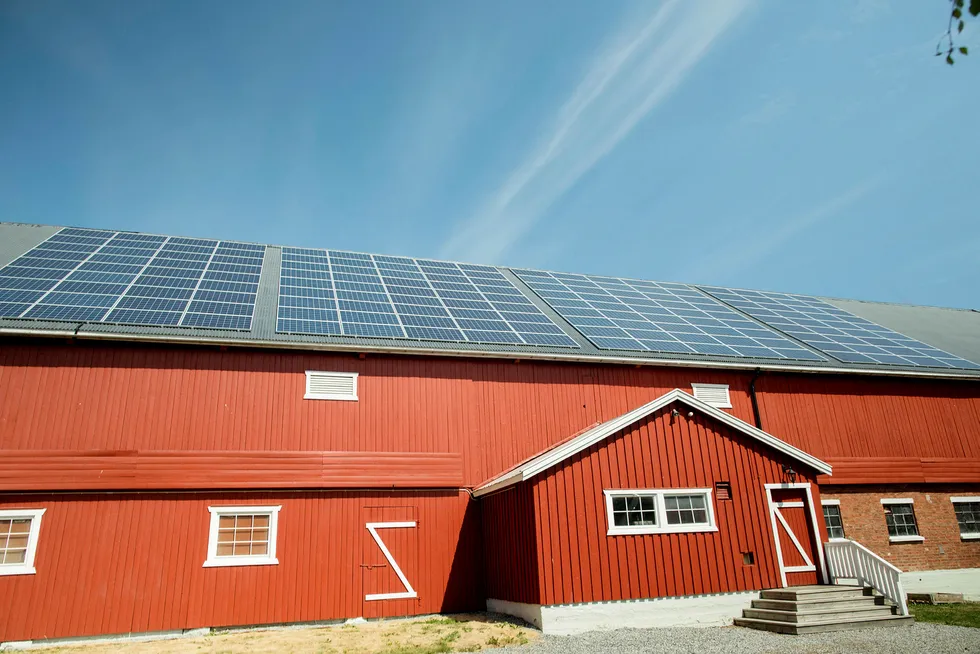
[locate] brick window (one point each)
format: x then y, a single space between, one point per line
900 519
832 518
19 530
242 535
659 511
968 516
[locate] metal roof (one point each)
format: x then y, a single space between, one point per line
956 331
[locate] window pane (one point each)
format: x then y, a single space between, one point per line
619 504
620 519
21 527
241 549
17 542
633 503
968 517
261 521
900 519
15 556
646 502
260 535
832 518
226 522
260 549
243 522
226 536
686 509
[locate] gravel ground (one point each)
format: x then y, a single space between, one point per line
919 637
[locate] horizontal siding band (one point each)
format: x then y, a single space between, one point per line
901 470
43 470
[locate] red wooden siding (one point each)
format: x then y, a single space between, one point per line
510 545
901 470
91 396
580 563
60 470
122 563
864 417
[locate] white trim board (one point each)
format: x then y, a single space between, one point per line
688 611
599 433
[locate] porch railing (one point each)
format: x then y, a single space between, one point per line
847 559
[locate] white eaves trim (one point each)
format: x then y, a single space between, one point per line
600 432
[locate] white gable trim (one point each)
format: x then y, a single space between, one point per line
601 432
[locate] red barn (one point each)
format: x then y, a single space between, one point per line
198 433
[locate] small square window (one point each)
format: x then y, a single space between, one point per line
659 511
19 530
967 516
900 519
832 518
242 535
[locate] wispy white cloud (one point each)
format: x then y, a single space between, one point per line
771 108
765 240
624 83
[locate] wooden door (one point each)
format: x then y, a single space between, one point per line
795 534
389 568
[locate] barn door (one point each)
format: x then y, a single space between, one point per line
389 551
796 536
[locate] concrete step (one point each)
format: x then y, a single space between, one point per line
818 603
804 593
780 627
819 616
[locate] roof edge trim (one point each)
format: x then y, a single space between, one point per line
562 452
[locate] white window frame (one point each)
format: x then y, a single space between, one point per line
215 561
964 499
331 396
836 503
34 515
713 387
661 510
904 539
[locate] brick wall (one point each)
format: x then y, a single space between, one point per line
943 549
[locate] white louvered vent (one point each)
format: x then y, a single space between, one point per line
331 385
714 394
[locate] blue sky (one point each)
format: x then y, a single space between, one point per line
812 147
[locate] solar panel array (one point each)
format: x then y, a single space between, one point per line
839 333
346 293
91 275
622 314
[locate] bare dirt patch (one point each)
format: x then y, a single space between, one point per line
460 633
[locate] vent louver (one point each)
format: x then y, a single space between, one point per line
714 394
331 385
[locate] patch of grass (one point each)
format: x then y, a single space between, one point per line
411 648
439 620
961 615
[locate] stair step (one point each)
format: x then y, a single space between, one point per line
818 627
814 593
819 603
819 616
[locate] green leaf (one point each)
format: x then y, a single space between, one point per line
949 59
960 28
963 50
975 7
957 13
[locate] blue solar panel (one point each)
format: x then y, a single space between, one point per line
624 314
344 293
839 333
141 279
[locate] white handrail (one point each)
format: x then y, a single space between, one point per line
848 559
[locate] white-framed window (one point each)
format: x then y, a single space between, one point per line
321 385
659 511
900 519
242 535
19 529
832 518
716 395
968 516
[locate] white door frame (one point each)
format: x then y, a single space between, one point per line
775 515
373 527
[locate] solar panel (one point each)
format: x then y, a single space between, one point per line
347 293
839 333
625 314
139 279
